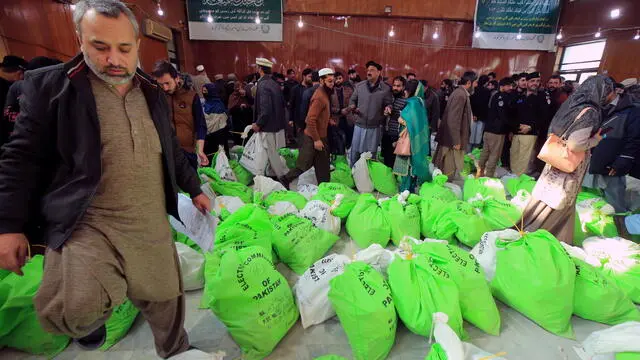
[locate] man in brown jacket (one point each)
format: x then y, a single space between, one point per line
314 151
453 132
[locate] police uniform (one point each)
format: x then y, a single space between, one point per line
495 131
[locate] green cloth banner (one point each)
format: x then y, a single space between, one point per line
499 23
235 20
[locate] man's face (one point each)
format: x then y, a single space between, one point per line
13 76
291 76
398 87
327 81
443 85
373 73
522 83
533 85
168 84
553 84
353 76
506 88
491 78
308 80
339 80
109 46
490 86
411 77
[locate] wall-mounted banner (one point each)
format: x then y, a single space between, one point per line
235 20
516 24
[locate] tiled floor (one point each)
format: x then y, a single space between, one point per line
521 339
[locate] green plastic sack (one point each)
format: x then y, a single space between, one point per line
382 178
533 274
599 298
244 176
290 156
628 356
465 271
342 172
20 328
283 195
524 182
596 218
330 357
367 223
485 187
437 353
233 188
252 299
119 323
403 215
4 273
436 189
421 287
459 220
327 193
362 299
298 243
468 167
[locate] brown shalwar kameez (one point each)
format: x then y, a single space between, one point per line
122 247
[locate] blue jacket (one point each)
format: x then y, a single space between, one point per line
621 148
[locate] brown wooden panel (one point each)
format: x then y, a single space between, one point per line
325 42
620 58
431 9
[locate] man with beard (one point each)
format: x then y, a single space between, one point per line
102 191
531 120
453 132
341 124
391 130
354 78
368 102
199 80
521 81
411 76
295 102
187 116
556 93
314 151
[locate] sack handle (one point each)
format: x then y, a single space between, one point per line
584 111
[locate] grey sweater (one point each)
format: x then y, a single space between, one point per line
371 104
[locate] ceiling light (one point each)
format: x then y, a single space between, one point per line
598 34
435 34
300 23
209 18
559 36
637 37
160 11
615 13
392 32
519 36
477 33
258 21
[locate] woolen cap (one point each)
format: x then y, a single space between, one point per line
533 75
264 62
325 72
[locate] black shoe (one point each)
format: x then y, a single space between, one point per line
94 340
283 180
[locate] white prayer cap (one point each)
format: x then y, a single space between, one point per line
264 62
325 72
200 68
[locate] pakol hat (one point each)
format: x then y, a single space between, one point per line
264 62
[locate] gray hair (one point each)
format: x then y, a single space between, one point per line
108 8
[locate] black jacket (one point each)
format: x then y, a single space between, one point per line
480 103
621 148
498 120
295 106
51 167
532 110
269 105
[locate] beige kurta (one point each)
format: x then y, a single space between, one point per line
129 208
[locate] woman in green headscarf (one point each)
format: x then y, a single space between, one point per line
414 169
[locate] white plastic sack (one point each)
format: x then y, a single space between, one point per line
453 346
208 191
199 227
255 158
191 267
620 338
486 251
320 214
235 153
222 166
585 210
308 190
312 289
195 354
266 185
282 208
521 200
376 256
308 177
456 189
231 203
361 175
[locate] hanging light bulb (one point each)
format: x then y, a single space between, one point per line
300 23
559 36
637 37
392 32
435 34
209 18
346 23
258 21
160 11
598 34
519 36
615 13
477 33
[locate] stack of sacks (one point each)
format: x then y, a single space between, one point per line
486 187
523 182
227 188
533 274
382 178
403 216
367 223
594 217
434 197
342 172
327 193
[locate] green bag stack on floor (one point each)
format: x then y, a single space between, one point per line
342 173
420 288
252 299
594 217
403 215
118 325
19 325
367 223
479 309
382 178
459 220
283 195
524 182
298 243
435 196
290 156
485 187
362 299
498 214
227 188
533 274
327 193
330 357
244 176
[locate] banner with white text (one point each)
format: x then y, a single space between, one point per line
516 24
235 20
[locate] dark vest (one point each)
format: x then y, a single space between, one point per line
180 104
